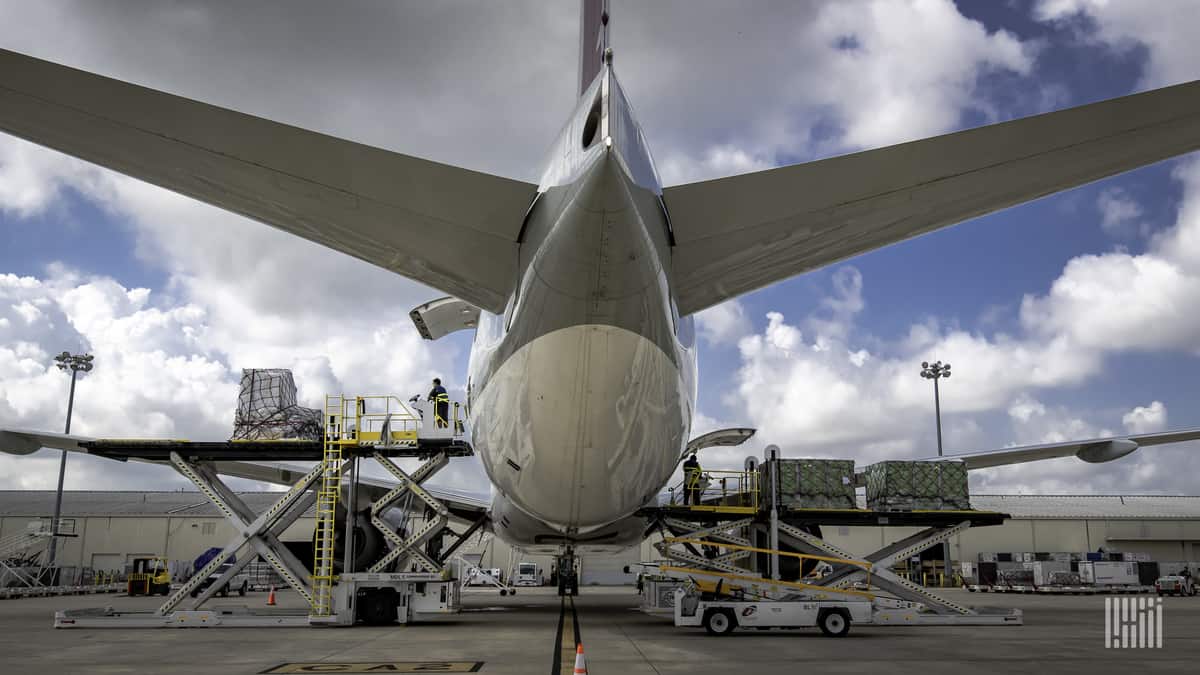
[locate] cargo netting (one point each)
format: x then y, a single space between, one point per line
917 486
267 408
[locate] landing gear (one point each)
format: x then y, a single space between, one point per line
568 575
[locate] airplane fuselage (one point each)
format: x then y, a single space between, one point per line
582 392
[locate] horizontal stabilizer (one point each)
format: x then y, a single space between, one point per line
448 227
740 233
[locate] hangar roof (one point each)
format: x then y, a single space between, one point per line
134 503
1093 507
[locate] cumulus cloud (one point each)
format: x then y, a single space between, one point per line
1146 419
841 76
1120 214
1170 42
723 324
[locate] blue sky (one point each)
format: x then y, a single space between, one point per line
795 84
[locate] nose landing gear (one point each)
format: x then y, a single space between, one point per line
567 572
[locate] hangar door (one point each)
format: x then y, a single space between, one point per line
608 570
108 562
1159 551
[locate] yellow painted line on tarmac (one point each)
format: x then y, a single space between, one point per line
566 661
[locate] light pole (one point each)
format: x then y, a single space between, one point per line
73 363
936 371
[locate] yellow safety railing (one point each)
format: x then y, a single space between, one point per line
721 492
864 564
364 420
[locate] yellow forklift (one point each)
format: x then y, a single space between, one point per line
149 576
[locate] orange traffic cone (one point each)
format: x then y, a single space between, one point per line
271 597
580 664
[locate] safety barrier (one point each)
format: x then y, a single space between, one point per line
720 491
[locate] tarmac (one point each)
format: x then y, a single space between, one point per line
532 634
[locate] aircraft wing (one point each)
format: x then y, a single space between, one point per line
740 233
445 226
1095 450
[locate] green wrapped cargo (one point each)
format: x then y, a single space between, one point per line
811 483
917 486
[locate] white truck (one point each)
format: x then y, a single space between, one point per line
722 616
1175 584
240 582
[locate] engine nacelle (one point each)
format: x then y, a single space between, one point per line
1106 451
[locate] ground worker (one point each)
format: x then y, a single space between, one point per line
441 403
691 480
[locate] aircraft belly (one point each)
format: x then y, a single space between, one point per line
582 426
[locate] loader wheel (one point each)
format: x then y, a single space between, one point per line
242 590
834 622
719 621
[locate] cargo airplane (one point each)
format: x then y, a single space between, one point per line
581 289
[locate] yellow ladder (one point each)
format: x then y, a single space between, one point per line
327 499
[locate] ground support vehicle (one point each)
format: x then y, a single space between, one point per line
1174 584
149 576
239 582
720 617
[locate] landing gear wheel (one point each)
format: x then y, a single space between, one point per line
834 622
719 622
503 592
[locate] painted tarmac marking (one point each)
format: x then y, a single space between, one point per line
564 663
380 667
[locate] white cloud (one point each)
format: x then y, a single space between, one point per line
1146 419
1161 26
1120 214
725 323
802 79
1025 408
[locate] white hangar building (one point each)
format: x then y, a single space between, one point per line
111 528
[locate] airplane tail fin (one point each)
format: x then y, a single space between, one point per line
593 40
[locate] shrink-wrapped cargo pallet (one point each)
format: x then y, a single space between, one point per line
268 410
917 486
811 483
